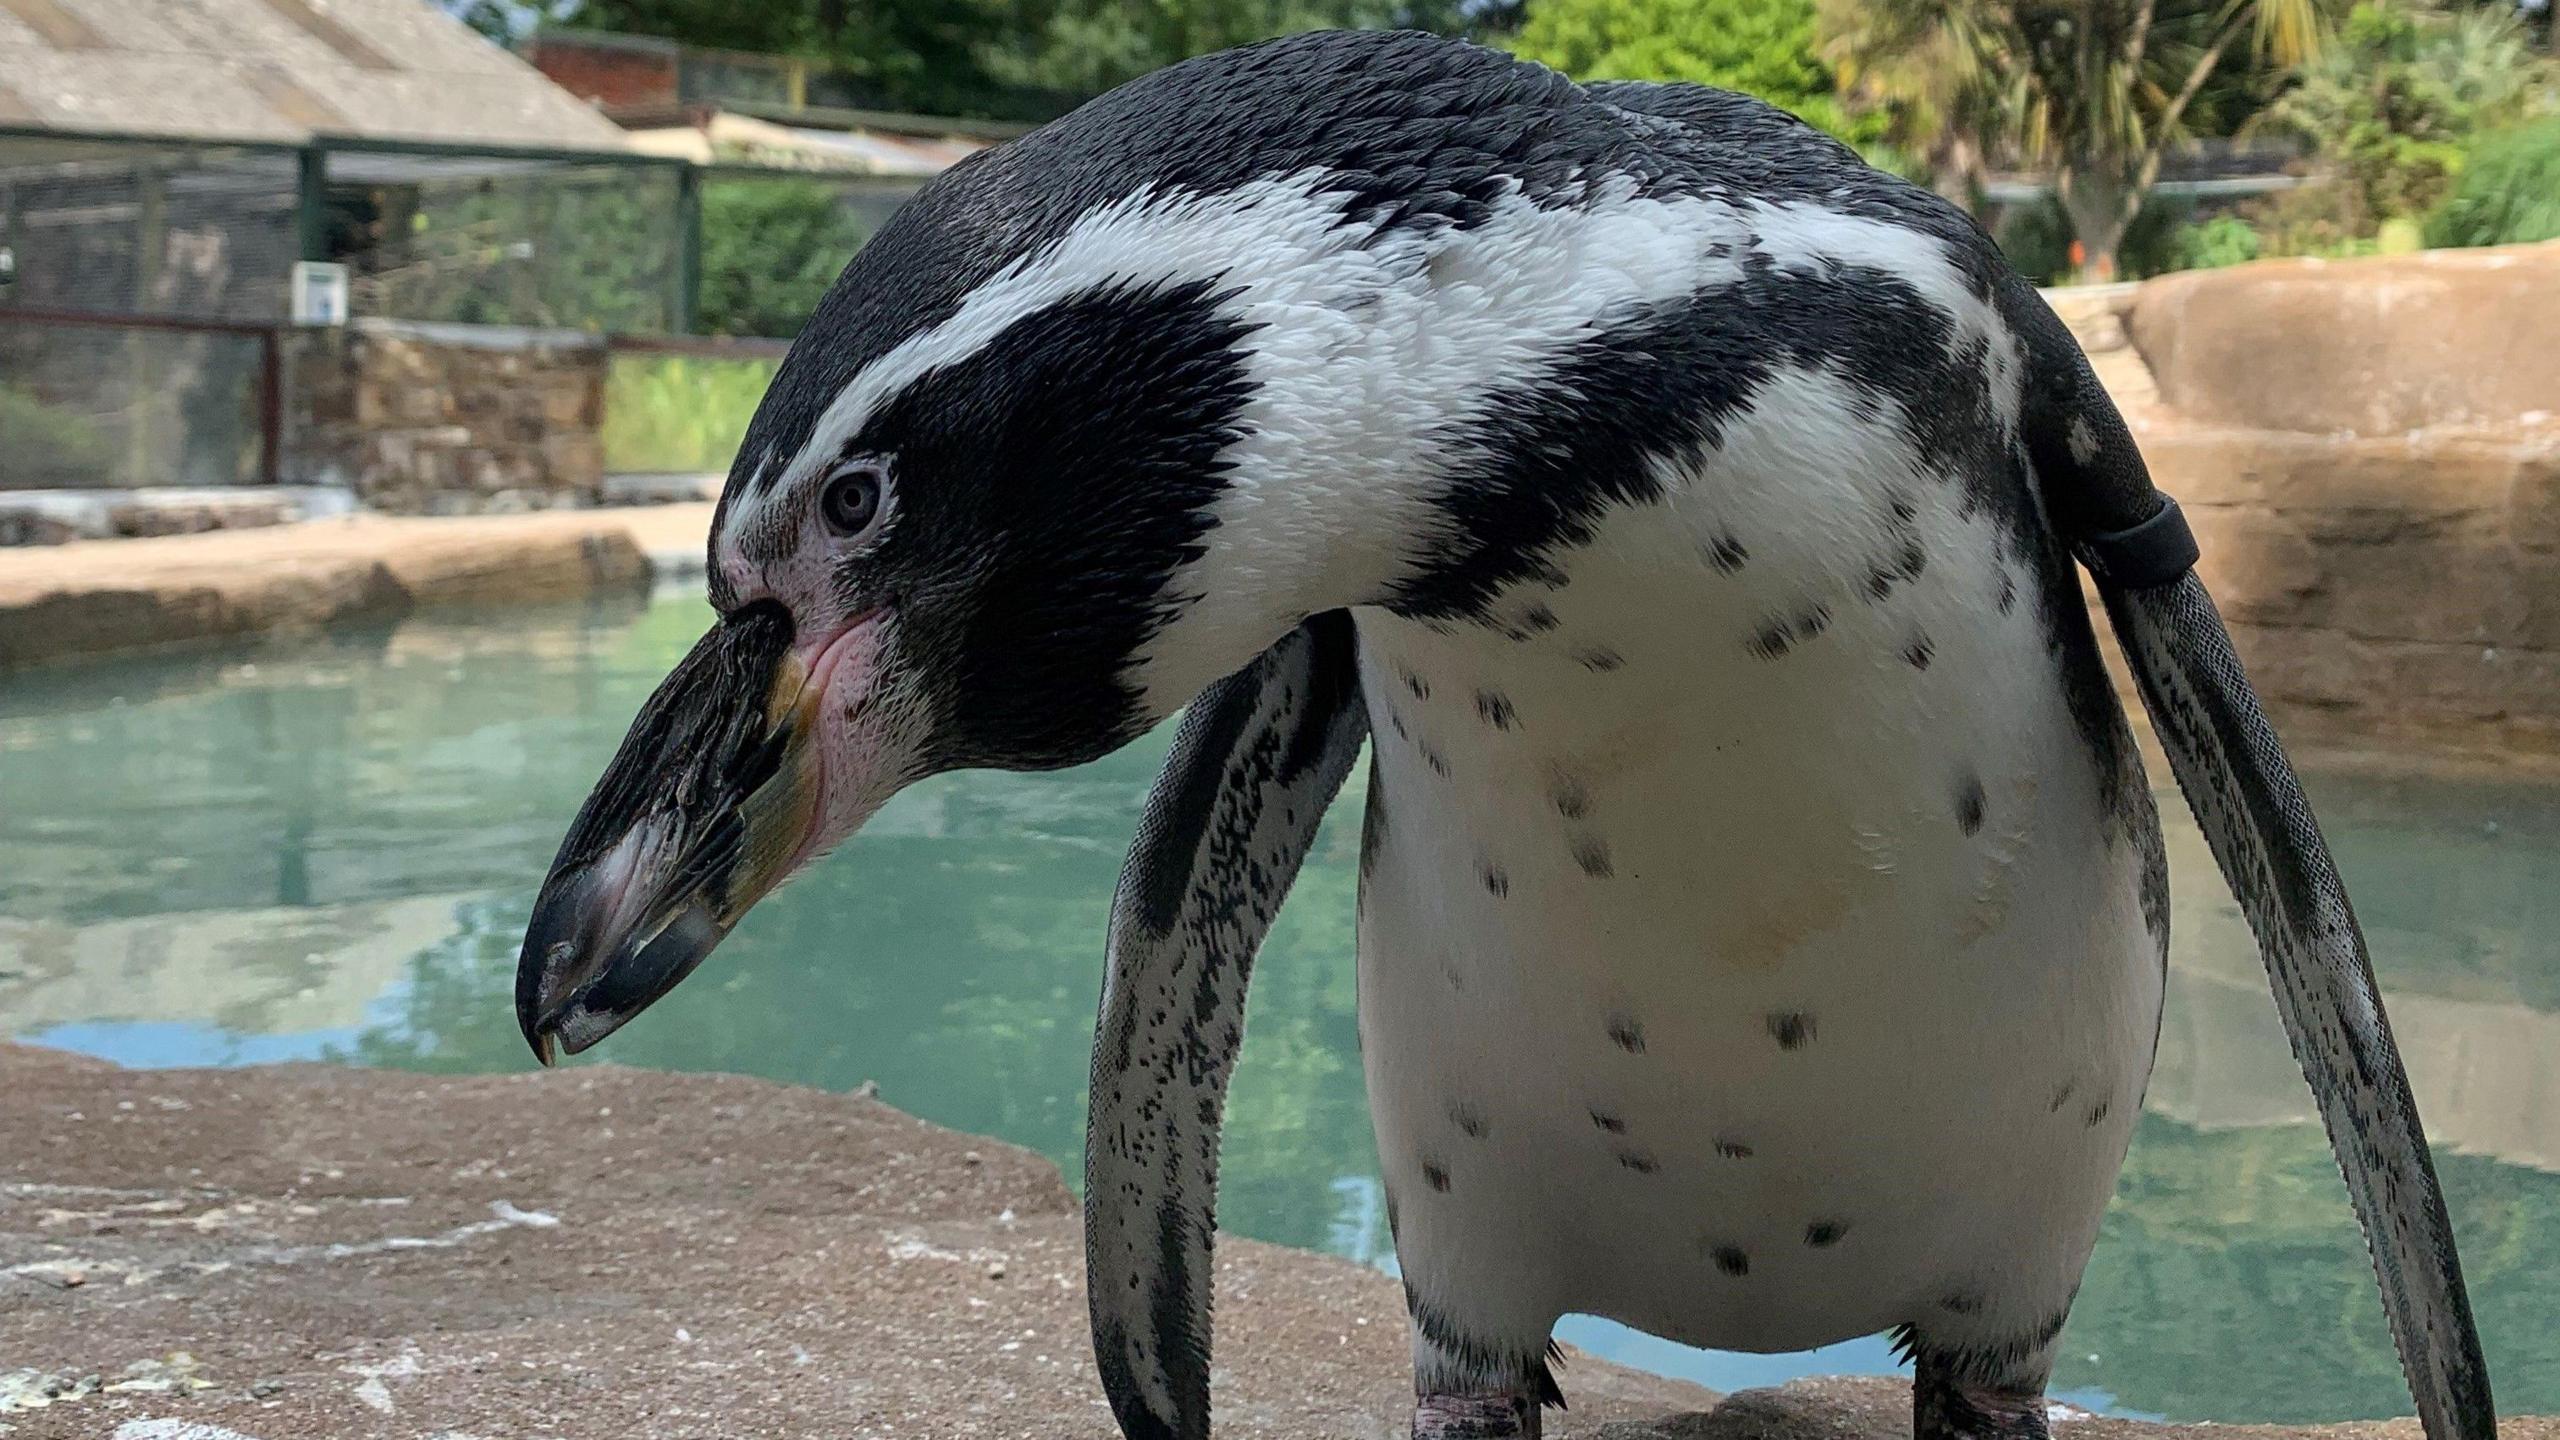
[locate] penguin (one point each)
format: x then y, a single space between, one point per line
1763 914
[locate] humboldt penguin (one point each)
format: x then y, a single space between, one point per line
1762 908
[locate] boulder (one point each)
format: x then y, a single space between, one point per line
2366 347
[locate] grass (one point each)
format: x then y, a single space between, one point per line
678 413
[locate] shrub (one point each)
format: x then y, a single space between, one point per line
679 413
770 249
48 446
2393 103
2222 240
2509 192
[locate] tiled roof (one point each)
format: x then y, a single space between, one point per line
278 70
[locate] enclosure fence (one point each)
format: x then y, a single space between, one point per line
145 284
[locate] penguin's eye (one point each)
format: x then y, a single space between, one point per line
851 499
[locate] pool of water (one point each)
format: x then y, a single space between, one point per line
329 853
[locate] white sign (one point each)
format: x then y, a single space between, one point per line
319 293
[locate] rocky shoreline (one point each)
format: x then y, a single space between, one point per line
303 1251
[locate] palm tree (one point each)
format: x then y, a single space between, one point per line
1923 66
2092 91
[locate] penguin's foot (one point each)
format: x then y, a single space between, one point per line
1946 1407
1511 1416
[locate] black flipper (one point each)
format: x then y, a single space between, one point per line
2251 807
1257 759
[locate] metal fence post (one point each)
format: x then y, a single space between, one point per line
688 276
310 200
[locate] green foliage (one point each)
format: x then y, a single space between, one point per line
589 247
1087 46
680 414
49 446
2392 105
2509 191
1003 59
1759 47
2220 241
770 248
2037 238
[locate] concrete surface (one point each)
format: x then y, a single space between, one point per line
92 597
295 1252
306 1251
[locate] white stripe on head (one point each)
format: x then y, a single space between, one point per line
1258 235
1366 347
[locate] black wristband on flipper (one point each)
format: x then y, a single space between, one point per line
2150 554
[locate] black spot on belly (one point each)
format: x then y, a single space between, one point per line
1398 722
1792 1029
1734 1150
1571 800
2008 600
1970 804
1780 634
1905 509
1494 708
1419 687
1726 553
1538 620
1598 659
1469 1120
1919 652
1823 1234
1592 854
1627 1033
1879 583
2062 1095
1438 762
2098 1113
1731 1259
1609 1122
1640 1161
1912 560
1435 1175
1497 883
1961 1303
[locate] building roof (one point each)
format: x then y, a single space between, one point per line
278 70
716 137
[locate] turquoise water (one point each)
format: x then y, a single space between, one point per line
328 852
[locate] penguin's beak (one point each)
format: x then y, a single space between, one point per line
716 797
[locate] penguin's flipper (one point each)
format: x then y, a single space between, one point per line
2252 811
2233 770
1257 759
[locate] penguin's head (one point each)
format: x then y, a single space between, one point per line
1096 418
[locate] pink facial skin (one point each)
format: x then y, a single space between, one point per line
855 761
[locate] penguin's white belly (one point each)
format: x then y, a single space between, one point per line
1758 991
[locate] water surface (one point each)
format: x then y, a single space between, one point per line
329 853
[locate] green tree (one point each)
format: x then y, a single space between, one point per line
2392 105
2093 92
1759 47
1920 70
1084 47
770 249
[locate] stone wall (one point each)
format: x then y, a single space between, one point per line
425 419
2370 453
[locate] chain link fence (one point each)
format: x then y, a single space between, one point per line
145 284
555 241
